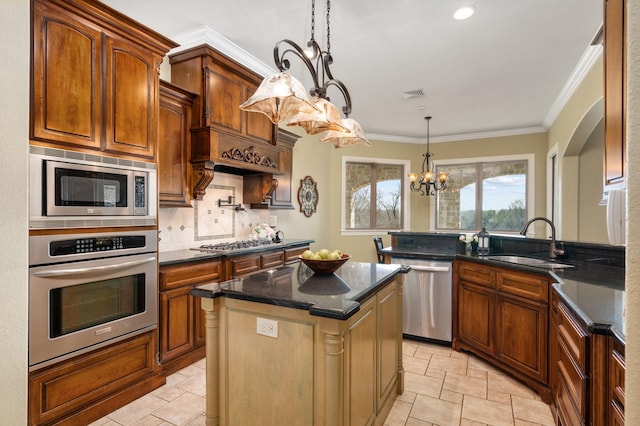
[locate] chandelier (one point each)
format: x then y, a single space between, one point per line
283 98
426 185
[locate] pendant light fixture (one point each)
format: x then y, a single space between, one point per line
283 98
425 182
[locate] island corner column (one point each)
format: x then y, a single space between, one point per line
334 372
211 308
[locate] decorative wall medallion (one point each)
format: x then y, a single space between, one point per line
308 196
249 155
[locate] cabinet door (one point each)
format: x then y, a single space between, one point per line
173 147
281 197
615 88
66 80
176 323
258 125
131 99
476 307
389 334
521 335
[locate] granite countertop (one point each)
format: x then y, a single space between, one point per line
295 286
188 255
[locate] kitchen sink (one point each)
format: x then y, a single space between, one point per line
530 261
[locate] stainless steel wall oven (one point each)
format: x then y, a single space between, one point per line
89 290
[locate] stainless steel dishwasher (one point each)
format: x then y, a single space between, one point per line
426 304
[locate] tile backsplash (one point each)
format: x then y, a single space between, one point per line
207 223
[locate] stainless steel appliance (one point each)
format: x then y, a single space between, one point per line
68 188
89 290
427 299
234 245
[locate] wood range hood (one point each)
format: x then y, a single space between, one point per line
225 138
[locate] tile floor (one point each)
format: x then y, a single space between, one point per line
442 387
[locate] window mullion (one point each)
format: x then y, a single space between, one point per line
479 195
373 202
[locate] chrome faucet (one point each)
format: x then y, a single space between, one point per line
553 250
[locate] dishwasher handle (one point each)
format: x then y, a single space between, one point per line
430 268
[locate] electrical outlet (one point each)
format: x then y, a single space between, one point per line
267 327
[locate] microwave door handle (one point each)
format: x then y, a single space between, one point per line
78 271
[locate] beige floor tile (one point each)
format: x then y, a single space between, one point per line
466 385
196 384
202 364
201 420
423 385
532 410
451 396
448 364
436 411
407 396
474 372
136 410
105 421
151 420
425 350
398 414
190 371
182 410
519 422
485 411
436 374
459 355
467 422
507 384
415 365
477 363
409 348
501 397
168 393
415 422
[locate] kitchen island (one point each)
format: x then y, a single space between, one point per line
286 346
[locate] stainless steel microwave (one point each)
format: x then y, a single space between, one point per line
71 189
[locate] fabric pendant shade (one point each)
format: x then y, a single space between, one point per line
354 137
279 97
326 118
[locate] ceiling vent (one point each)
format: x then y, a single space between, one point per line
412 94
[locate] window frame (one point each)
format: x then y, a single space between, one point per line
406 164
530 190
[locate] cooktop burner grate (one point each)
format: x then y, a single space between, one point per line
234 245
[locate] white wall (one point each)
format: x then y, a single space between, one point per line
14 140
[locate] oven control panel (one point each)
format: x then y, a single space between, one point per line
96 244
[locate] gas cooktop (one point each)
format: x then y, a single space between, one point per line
234 245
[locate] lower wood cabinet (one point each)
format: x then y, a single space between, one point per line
587 379
181 323
503 315
90 386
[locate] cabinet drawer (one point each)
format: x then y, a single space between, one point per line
617 367
272 260
573 336
525 285
291 255
572 377
244 265
184 274
567 412
477 274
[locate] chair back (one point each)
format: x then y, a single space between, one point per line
377 241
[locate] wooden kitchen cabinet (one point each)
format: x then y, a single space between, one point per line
502 316
94 79
85 388
174 146
615 109
181 321
617 368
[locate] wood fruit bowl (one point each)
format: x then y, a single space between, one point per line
325 267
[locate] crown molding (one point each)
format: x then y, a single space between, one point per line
458 137
207 35
588 59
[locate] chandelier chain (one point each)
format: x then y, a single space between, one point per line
313 19
328 27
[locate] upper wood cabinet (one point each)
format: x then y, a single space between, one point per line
223 85
94 78
615 94
174 146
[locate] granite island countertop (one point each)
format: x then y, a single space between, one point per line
295 286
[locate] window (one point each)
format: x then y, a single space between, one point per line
373 194
490 194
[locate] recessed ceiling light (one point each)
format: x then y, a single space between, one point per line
463 13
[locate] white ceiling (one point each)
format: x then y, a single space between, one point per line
503 71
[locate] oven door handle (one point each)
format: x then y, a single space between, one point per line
78 271
430 268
